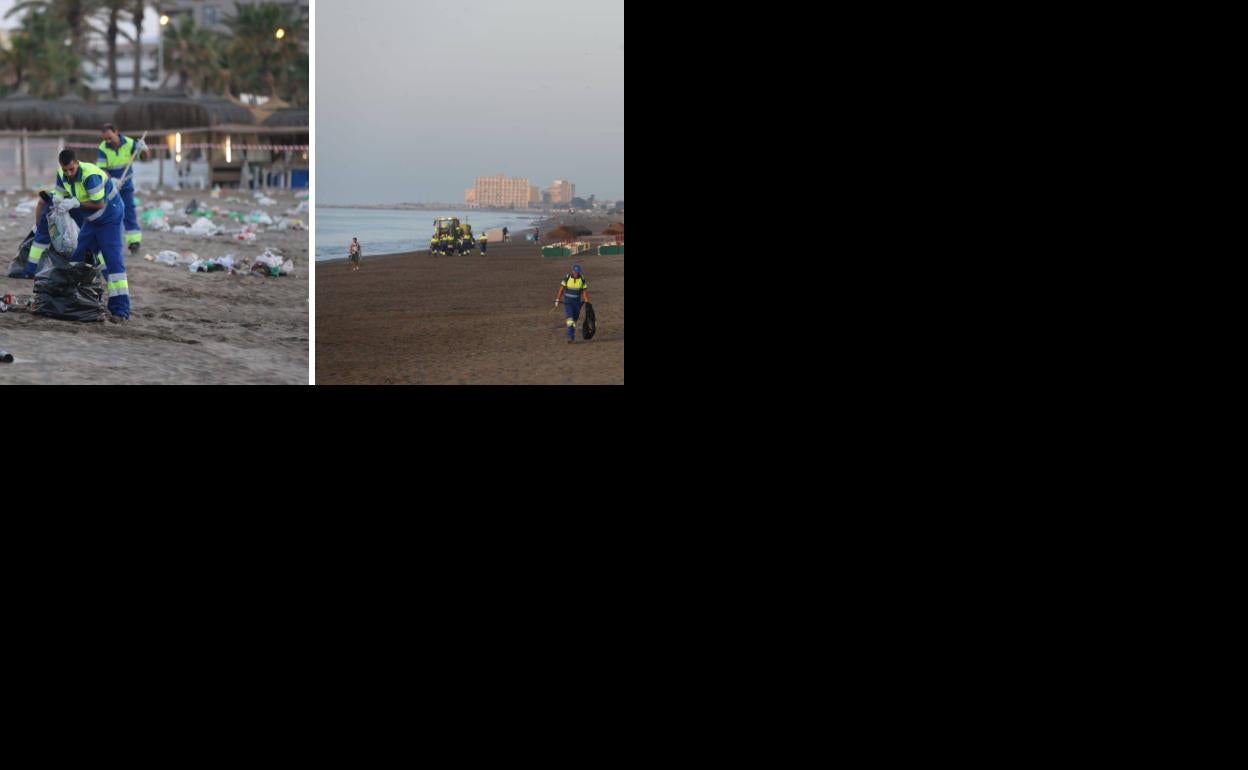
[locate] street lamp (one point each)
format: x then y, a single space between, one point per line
160 50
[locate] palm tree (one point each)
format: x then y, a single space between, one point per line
39 61
76 15
112 10
262 62
137 9
193 54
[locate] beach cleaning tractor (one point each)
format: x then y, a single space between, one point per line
452 228
446 226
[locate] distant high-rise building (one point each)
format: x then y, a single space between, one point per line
562 191
535 195
470 196
502 191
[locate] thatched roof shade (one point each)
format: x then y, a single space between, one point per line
291 116
83 113
223 110
569 232
161 111
294 117
19 111
105 112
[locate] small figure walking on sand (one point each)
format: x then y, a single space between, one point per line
505 236
354 254
573 290
483 241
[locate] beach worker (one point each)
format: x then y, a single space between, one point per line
445 242
482 241
115 153
354 253
573 290
505 238
433 244
101 232
537 238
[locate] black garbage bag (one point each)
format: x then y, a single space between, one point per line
589 327
192 207
17 268
71 291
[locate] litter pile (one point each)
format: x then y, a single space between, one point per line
207 221
269 264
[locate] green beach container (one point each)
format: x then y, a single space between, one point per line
556 251
611 249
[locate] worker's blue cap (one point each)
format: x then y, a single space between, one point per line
576 268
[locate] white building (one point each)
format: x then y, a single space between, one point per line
95 73
213 13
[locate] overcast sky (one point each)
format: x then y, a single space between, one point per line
415 98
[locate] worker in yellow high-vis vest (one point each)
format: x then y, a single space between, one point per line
115 153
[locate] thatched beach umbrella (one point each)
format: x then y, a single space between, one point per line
105 112
294 117
161 110
83 113
18 111
569 232
224 110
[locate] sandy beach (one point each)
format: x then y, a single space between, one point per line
201 328
417 319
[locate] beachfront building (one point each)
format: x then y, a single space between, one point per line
470 196
95 67
562 191
213 13
535 195
502 191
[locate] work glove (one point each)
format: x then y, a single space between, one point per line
140 146
66 204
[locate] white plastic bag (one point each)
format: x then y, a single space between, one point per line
167 258
203 226
62 227
269 259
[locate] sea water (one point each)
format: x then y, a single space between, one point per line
390 231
